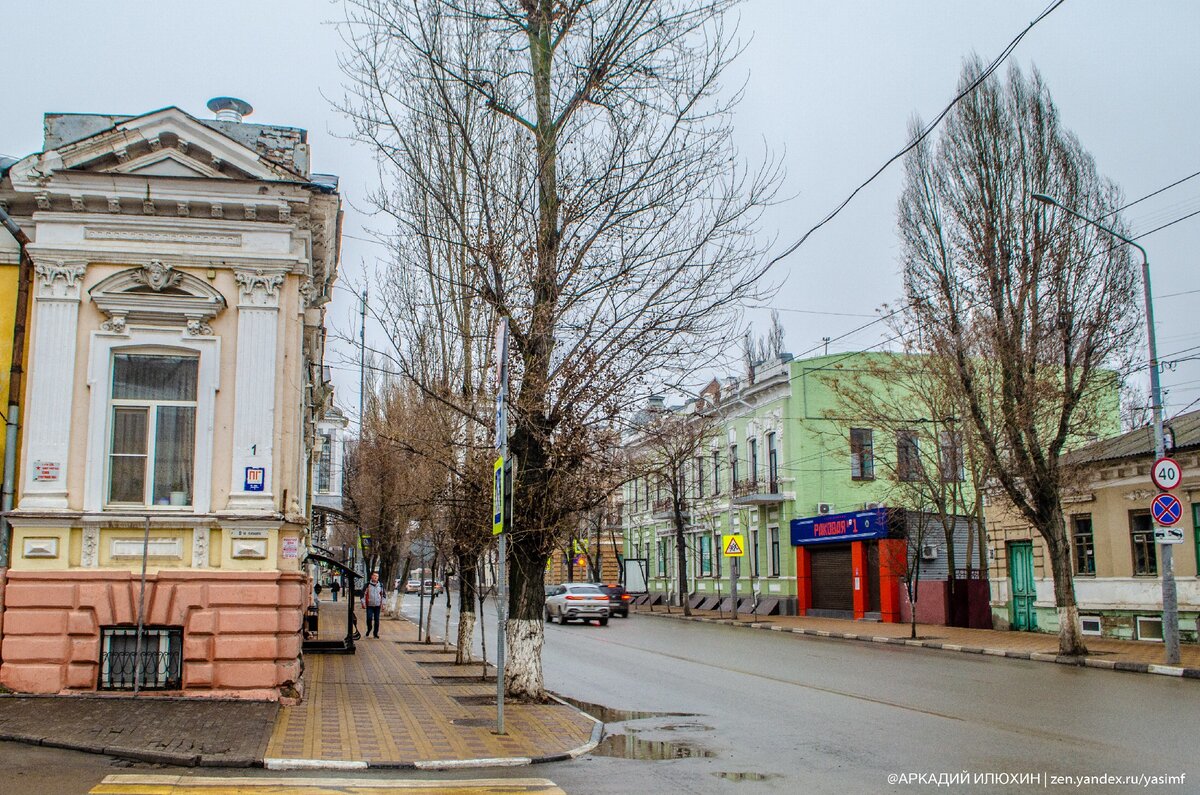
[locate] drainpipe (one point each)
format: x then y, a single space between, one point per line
15 384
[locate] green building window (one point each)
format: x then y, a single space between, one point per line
705 556
908 456
862 454
774 551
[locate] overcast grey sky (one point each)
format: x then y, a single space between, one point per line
832 84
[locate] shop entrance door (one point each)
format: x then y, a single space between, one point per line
832 579
1024 591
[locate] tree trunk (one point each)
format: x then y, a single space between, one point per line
1070 632
466 609
525 633
681 564
911 585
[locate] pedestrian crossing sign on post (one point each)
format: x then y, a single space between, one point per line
735 547
498 497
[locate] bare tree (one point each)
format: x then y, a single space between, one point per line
1025 306
598 204
669 444
903 397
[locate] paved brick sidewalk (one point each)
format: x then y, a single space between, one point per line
400 703
168 731
1125 655
395 703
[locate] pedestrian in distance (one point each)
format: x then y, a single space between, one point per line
334 588
372 600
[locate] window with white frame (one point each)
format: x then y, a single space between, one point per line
325 463
774 551
152 429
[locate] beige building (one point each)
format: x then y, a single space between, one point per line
1117 564
174 378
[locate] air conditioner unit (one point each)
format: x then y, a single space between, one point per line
824 507
929 552
870 506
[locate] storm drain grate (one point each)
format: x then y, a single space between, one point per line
473 721
462 680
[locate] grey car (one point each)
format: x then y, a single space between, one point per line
582 601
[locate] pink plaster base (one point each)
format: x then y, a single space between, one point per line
241 631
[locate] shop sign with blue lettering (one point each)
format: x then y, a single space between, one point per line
855 526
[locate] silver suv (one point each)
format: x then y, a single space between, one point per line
581 601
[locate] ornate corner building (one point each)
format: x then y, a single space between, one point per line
175 351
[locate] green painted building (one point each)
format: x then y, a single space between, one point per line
792 440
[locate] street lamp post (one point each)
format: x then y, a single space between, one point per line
1170 600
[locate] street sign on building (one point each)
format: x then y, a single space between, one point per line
1166 473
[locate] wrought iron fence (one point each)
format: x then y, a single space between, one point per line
157 666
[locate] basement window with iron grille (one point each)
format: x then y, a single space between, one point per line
157 665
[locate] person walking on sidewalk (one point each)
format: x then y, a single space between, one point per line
335 587
372 601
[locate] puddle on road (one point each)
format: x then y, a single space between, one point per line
629 746
610 715
740 776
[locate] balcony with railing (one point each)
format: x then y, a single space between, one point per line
665 509
753 491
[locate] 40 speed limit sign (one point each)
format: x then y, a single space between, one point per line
1166 473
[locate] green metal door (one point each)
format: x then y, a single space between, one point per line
1024 592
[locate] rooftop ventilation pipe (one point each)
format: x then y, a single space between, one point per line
230 108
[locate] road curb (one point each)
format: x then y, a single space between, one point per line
1081 662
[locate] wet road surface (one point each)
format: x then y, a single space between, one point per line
711 708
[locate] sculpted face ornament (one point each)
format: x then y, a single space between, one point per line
158 276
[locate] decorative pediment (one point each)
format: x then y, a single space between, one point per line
167 142
157 293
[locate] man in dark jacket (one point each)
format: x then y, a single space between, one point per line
372 601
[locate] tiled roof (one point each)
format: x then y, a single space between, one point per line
1140 442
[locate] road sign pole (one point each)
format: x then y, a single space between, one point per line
501 567
735 565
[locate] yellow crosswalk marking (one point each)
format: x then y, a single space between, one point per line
247 785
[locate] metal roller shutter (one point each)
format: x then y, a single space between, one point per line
832 578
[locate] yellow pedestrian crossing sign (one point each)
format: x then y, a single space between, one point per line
735 547
498 497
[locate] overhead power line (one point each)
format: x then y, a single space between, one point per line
925 131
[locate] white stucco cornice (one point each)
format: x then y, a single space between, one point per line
126 239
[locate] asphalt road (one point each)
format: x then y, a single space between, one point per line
802 714
703 708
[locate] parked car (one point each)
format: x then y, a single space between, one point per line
574 600
618 599
412 586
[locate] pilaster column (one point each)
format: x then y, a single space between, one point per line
57 288
254 389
